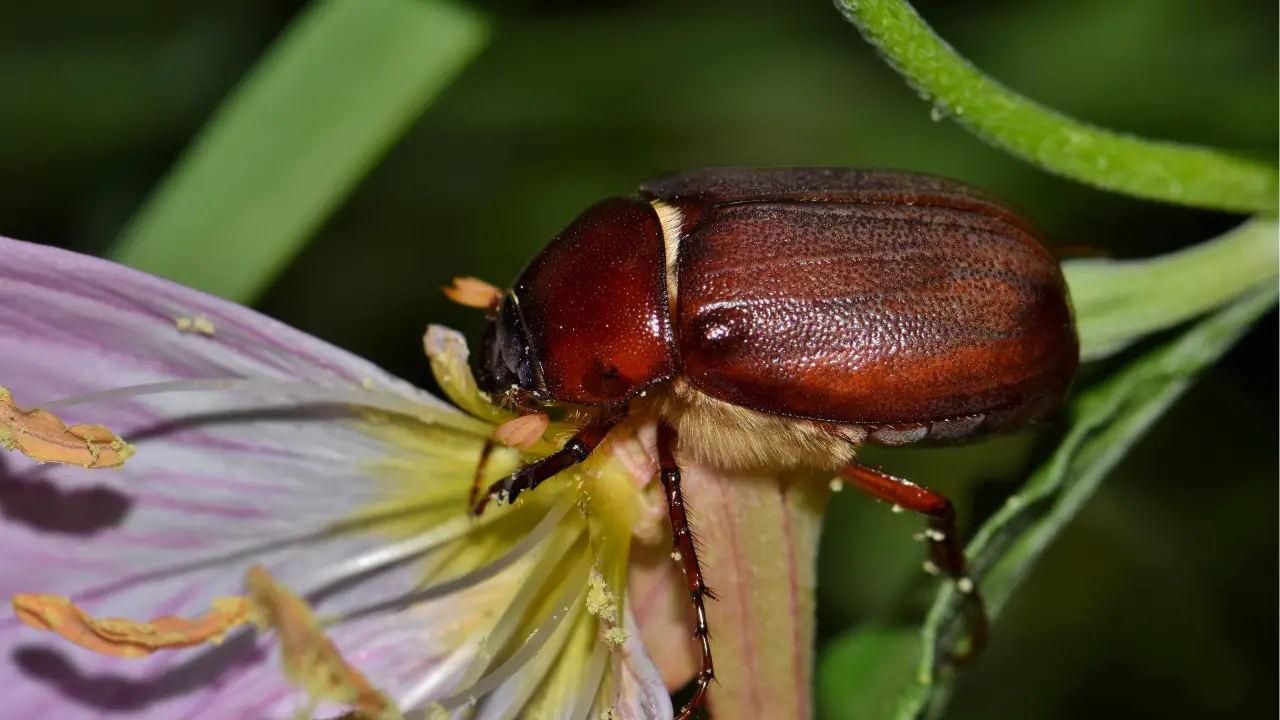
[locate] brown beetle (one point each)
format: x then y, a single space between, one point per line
782 317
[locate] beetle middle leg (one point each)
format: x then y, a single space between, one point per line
579 448
947 554
684 550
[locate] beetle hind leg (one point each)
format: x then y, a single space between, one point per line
684 549
946 552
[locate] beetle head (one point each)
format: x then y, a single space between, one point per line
505 367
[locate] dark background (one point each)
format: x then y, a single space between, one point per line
1160 601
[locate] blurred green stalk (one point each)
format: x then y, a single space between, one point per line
331 96
1183 174
1118 302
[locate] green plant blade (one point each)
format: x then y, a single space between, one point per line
869 674
1114 161
302 129
1107 420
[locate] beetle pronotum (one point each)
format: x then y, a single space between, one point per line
776 318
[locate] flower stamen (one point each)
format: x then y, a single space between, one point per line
535 538
41 436
311 661
568 599
591 681
129 638
420 410
389 555
258 549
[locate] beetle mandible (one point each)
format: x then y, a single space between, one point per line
775 318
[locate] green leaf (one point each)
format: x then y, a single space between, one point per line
1117 302
1106 420
310 120
1123 163
868 674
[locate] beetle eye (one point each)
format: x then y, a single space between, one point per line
504 363
485 364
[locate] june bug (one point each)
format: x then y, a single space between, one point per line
774 318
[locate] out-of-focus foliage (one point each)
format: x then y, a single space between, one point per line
1159 600
297 135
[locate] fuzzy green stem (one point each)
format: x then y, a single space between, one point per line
1165 171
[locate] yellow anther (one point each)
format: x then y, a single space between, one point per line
40 435
129 638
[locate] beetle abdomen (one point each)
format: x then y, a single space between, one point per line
960 429
871 312
733 437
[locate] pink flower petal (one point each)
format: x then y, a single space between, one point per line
659 597
81 316
229 478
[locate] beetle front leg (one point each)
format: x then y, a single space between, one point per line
947 554
685 551
579 448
